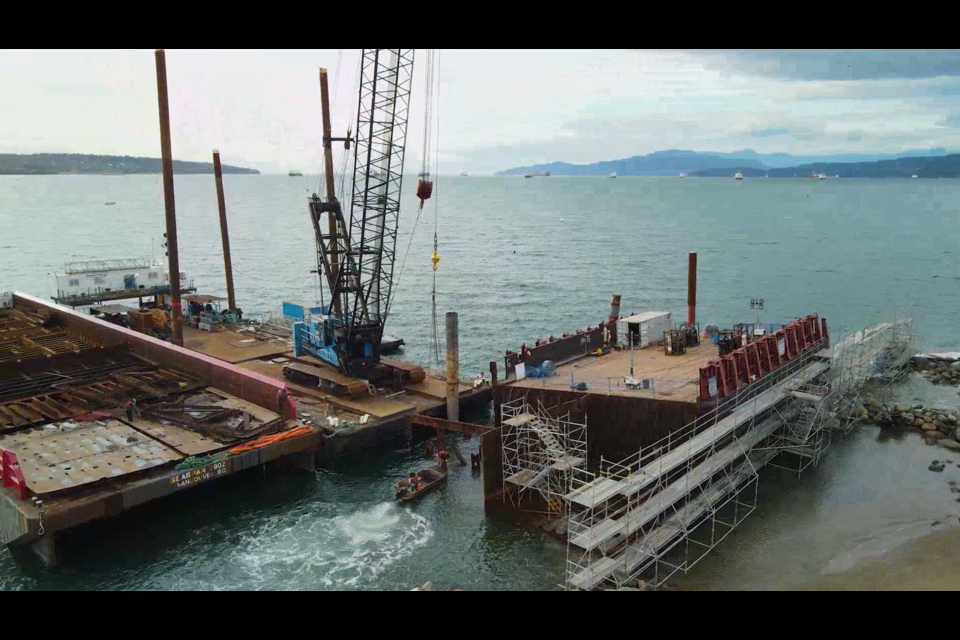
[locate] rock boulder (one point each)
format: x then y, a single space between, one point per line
947 443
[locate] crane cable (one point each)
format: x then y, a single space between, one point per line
424 195
435 338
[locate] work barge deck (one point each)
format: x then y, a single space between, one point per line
653 458
380 415
71 453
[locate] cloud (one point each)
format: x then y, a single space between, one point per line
839 64
766 133
952 120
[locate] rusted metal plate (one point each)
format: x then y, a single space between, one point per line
70 455
183 440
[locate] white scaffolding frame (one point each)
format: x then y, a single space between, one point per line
632 517
869 362
541 448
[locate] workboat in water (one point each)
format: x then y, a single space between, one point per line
294 174
419 484
738 176
537 174
390 344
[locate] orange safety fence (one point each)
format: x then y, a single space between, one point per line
273 438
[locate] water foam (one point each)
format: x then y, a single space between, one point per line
342 552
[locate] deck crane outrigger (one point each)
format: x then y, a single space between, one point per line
356 256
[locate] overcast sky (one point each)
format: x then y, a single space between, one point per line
498 109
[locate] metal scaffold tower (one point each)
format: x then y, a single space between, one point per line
867 363
661 510
541 448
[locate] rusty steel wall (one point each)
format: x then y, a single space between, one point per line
559 350
617 426
247 385
491 463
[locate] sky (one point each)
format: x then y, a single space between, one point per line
493 109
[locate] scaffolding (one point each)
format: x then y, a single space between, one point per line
541 448
97 266
867 363
661 510
805 434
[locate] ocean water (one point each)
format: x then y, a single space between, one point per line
520 259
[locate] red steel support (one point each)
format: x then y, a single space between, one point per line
773 350
815 328
806 332
763 354
791 334
707 372
826 334
728 375
11 473
743 369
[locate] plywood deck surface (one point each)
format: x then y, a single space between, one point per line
675 377
376 406
231 346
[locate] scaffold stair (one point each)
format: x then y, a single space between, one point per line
664 537
602 489
635 519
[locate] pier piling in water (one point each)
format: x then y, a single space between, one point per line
173 256
224 234
692 288
612 319
453 366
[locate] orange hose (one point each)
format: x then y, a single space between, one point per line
273 438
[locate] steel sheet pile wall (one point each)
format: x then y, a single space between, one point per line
558 351
619 425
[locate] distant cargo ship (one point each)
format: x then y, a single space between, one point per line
537 174
294 174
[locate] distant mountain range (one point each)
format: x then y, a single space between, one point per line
924 167
58 163
692 162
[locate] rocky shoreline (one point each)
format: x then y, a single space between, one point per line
933 423
938 369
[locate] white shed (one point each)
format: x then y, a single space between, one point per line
643 329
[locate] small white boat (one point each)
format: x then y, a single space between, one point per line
614 174
683 175
914 176
822 176
463 174
738 176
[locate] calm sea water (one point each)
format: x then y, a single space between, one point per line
520 259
